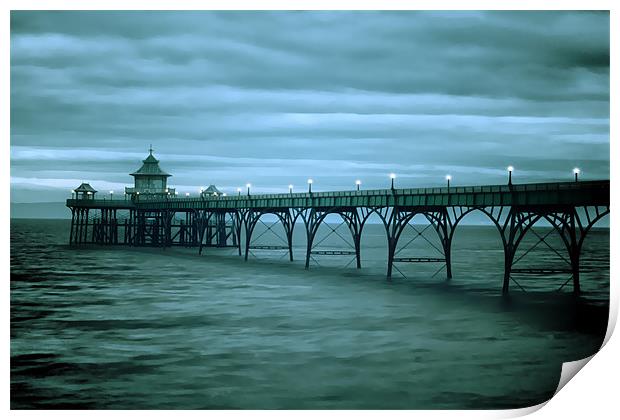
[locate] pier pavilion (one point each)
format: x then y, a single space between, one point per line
150 180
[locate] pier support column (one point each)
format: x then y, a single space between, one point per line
202 222
79 227
85 224
574 251
392 223
220 226
288 222
251 218
444 230
357 239
310 222
239 218
508 259
310 239
391 251
448 255
509 249
72 226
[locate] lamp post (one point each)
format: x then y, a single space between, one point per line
186 194
290 188
510 169
310 181
357 184
248 187
239 192
576 171
111 193
448 178
392 177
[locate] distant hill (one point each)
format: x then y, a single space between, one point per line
40 211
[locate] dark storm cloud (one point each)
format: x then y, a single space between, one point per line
276 97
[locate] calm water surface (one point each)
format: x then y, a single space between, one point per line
124 328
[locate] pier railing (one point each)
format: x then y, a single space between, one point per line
549 193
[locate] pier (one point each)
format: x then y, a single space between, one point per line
150 214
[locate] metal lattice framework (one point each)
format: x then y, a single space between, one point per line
571 208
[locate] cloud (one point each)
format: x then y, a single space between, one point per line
276 97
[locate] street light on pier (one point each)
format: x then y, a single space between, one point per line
357 184
510 169
448 178
239 192
186 194
310 181
111 194
576 171
290 188
392 177
248 187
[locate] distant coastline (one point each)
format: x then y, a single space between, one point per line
43 210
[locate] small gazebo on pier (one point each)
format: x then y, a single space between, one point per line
211 191
85 192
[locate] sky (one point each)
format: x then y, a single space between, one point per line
275 98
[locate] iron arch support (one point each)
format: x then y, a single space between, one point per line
441 222
313 219
495 220
252 218
573 232
397 222
516 226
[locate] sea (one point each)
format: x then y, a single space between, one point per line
116 327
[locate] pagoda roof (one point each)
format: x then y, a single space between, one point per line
85 187
150 167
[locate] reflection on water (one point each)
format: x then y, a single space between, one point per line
150 328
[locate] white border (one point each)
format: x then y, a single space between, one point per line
594 390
